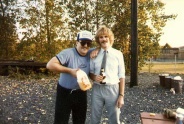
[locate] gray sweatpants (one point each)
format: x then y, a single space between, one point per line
105 95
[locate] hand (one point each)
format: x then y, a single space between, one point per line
120 102
74 72
99 78
94 53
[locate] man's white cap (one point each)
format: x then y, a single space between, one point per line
84 35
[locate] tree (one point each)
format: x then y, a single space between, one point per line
80 14
51 25
151 20
44 26
8 36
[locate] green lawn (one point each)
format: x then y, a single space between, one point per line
164 68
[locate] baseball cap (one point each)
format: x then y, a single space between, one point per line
84 35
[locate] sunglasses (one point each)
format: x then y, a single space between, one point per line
84 42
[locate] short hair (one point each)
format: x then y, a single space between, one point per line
103 30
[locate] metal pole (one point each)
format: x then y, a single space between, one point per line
175 63
150 65
134 44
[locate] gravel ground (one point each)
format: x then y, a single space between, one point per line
32 101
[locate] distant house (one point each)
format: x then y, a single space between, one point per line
181 53
168 53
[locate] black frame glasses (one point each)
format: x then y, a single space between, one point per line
84 42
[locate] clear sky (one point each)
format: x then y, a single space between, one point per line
174 29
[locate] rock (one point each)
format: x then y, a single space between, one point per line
33 101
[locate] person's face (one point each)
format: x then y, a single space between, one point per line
104 41
83 46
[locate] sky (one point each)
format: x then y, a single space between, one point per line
174 29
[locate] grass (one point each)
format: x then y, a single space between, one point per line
164 67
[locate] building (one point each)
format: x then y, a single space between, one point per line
169 54
181 53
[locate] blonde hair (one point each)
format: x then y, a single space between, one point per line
103 30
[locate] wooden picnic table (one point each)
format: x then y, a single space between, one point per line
154 118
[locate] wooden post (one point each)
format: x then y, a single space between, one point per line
134 44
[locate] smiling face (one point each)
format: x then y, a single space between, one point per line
83 47
104 41
104 37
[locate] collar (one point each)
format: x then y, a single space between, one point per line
108 50
79 53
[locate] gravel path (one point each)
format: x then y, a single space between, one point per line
32 101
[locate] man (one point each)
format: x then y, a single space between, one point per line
111 92
69 97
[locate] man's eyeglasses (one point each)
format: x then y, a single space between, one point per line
84 42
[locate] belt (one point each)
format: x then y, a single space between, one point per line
74 90
106 84
69 90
